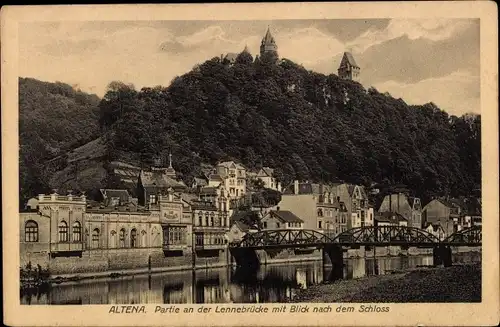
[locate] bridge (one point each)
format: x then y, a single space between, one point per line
334 245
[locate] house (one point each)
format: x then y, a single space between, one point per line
318 205
409 207
387 218
218 196
238 230
113 197
156 182
199 182
266 175
357 204
436 230
444 212
233 176
281 219
210 225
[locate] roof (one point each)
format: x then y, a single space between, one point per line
200 181
215 177
350 59
286 216
203 205
265 171
268 38
391 217
112 193
241 225
158 179
189 197
208 190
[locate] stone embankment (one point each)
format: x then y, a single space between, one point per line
459 283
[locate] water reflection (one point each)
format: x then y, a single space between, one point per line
271 283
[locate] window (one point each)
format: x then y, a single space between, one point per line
174 236
152 198
63 231
265 224
122 237
277 225
77 232
95 238
200 220
212 219
143 238
320 212
319 224
133 238
31 231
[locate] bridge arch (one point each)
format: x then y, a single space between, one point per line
469 236
387 235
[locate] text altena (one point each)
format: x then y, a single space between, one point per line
127 309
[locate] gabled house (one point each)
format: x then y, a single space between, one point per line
266 175
444 212
156 182
238 230
409 207
436 230
281 219
390 219
326 207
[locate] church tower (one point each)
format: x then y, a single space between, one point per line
268 45
348 68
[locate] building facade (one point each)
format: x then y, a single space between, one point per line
281 219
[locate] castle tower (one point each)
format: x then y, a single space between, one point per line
268 45
348 68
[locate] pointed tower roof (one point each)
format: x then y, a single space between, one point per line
350 59
268 38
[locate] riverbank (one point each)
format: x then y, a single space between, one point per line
459 283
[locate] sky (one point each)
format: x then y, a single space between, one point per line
417 60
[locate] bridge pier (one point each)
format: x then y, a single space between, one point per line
245 257
335 254
441 254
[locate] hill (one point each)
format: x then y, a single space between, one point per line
53 118
304 124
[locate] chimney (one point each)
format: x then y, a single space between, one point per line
296 187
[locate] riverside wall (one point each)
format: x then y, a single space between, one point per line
125 261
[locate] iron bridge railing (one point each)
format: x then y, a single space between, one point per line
367 235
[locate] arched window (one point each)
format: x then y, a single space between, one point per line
63 231
144 242
133 238
31 231
200 219
122 237
212 219
206 219
95 238
112 240
320 212
77 232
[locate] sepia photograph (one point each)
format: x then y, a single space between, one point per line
280 160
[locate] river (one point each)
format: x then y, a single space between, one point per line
272 283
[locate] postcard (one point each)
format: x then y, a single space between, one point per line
274 164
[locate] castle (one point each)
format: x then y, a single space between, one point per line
348 68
